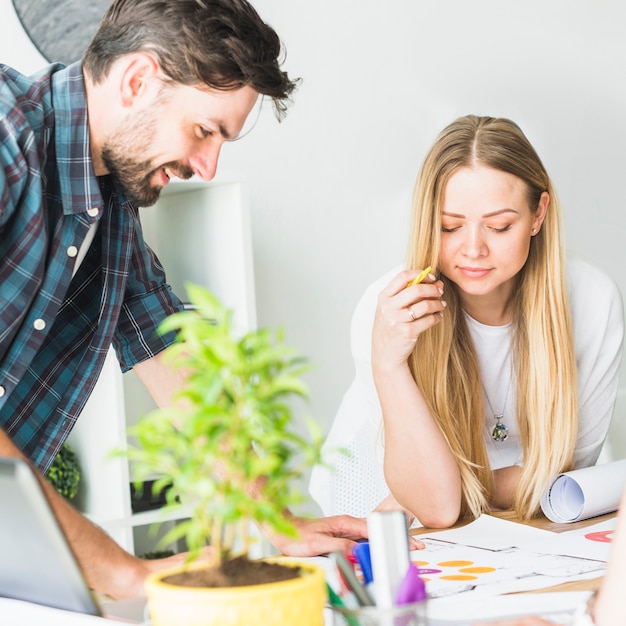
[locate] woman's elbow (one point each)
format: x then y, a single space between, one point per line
439 519
441 515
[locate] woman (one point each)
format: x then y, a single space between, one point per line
500 369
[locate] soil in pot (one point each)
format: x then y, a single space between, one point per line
237 572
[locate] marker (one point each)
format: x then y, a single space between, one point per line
336 601
362 553
389 546
362 595
420 277
412 588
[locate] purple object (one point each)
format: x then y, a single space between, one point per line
412 588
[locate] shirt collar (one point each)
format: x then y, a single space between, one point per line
79 186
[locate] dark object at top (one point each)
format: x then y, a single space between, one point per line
60 29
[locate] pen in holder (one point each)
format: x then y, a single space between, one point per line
389 549
397 594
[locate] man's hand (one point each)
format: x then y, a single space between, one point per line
322 535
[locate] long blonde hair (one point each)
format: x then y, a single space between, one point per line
444 362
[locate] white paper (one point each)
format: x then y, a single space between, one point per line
556 606
584 493
491 533
591 542
451 569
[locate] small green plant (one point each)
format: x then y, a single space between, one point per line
228 448
64 473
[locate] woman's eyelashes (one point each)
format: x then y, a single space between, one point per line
494 228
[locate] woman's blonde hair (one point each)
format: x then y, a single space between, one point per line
444 362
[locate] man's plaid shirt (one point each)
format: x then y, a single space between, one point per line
55 329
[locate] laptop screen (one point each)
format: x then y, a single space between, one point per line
36 562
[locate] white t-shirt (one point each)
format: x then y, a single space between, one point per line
357 484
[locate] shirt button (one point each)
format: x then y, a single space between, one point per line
72 251
92 212
2 391
39 324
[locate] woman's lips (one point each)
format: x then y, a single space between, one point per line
474 272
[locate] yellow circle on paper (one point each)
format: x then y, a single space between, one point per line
419 563
455 563
477 570
457 577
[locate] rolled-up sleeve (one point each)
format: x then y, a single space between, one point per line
147 302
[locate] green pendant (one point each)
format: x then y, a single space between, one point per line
500 432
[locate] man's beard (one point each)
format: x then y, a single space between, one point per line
134 175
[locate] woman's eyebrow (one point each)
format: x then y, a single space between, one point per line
490 214
500 212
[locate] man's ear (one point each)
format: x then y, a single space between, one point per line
138 77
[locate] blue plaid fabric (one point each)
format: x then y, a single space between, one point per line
55 329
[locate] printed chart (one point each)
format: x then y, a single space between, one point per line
495 556
450 568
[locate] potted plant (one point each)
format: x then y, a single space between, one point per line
64 473
228 452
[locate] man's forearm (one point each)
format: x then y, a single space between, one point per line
106 566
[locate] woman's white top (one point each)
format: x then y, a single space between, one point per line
357 485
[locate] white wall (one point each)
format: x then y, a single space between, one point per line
15 46
330 187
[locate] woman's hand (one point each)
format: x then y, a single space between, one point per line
402 314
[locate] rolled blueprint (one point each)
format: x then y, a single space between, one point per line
584 493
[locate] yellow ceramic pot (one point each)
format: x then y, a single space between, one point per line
297 601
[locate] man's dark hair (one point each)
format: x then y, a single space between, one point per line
223 44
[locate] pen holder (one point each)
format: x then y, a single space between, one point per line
413 614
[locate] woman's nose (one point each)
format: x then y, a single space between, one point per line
474 243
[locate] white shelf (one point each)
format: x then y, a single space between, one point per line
201 233
142 518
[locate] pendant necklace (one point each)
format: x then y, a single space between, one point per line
500 432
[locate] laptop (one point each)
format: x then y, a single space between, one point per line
36 562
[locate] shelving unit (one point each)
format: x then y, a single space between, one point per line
201 233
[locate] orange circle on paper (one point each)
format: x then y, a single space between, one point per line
477 570
457 577
419 563
455 563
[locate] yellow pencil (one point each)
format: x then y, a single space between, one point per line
420 277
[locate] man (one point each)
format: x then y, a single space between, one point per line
161 87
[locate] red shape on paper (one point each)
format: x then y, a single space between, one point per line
601 536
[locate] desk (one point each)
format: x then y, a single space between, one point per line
19 613
545 524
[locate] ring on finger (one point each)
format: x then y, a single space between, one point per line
411 313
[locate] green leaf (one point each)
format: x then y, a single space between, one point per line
233 425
